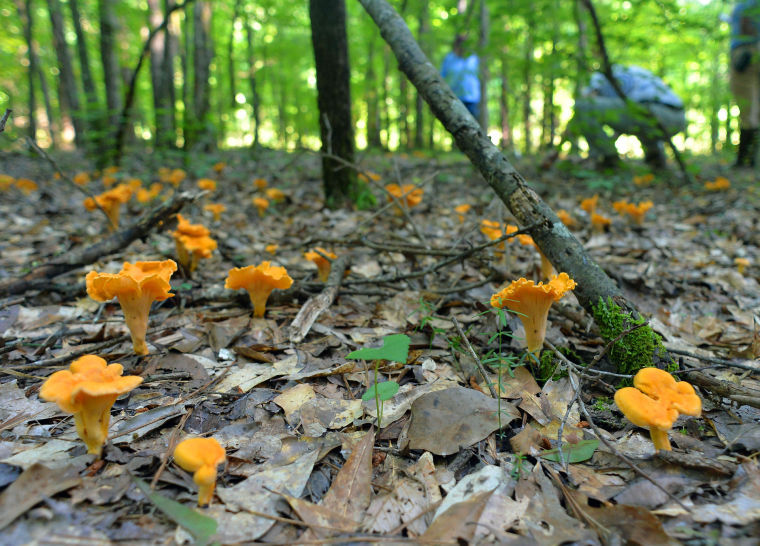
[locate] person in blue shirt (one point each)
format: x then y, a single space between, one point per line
744 77
600 107
461 73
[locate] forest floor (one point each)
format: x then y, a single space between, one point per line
305 461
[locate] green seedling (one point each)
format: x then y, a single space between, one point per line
396 349
202 527
572 453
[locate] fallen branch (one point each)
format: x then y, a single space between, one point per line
556 242
110 245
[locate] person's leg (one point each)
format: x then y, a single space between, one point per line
589 118
745 87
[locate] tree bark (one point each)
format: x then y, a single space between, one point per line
373 108
88 82
328 37
26 16
231 56
506 126
419 119
111 69
67 82
203 129
528 83
484 62
555 241
252 83
161 77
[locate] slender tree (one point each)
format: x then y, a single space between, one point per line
373 109
328 37
88 82
202 54
252 83
111 70
67 82
161 76
26 16
419 107
484 75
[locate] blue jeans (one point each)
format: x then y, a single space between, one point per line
473 107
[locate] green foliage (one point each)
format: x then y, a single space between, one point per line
395 348
572 453
202 527
635 350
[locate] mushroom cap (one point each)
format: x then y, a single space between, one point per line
656 399
526 239
88 376
589 204
111 198
26 185
216 208
742 261
207 184
274 194
219 167
194 453
463 208
80 179
491 229
565 218
263 274
260 183
522 294
260 203
410 193
599 221
138 279
201 246
317 258
620 206
184 227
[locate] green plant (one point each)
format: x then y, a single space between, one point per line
602 403
395 348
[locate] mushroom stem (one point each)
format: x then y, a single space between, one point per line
136 310
259 297
546 266
660 439
92 423
205 478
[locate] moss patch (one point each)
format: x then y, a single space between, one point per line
638 349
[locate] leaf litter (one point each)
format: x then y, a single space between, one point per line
450 462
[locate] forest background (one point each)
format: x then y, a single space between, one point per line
242 73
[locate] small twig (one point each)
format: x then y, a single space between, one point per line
4 119
474 355
42 153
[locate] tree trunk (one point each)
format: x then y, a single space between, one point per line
484 74
373 109
594 287
26 15
419 119
385 114
252 83
67 82
328 37
51 124
161 77
202 127
581 54
111 69
528 83
506 127
88 82
549 121
231 56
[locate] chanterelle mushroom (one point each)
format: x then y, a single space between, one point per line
655 401
532 302
323 264
88 389
201 456
136 287
259 281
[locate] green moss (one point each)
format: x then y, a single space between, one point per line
634 351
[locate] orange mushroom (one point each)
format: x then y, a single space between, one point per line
144 196
136 287
201 456
655 402
546 266
193 243
741 264
620 206
260 183
720 183
274 194
271 248
643 179
599 222
589 204
492 230
110 201
409 194
88 389
6 181
261 205
26 186
532 302
566 218
176 176
216 209
219 167
461 210
259 281
81 179
637 212
207 184
323 264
